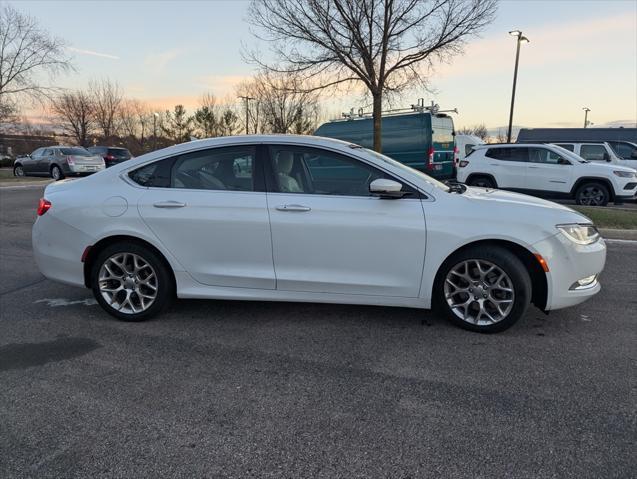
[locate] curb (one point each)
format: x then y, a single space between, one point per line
26 184
609 233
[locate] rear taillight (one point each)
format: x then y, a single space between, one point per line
456 155
463 163
43 206
109 157
430 159
70 160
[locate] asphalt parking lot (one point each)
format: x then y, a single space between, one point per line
252 389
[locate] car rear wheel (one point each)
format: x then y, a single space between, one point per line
485 289
592 194
482 182
18 171
131 282
56 173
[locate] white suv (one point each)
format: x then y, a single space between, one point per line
547 170
600 153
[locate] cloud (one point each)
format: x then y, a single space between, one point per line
220 85
158 61
92 53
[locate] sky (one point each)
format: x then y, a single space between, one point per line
581 54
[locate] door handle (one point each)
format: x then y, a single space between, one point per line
169 204
494 164
293 208
533 167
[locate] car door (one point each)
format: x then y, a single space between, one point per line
43 164
548 171
330 235
508 165
29 163
208 208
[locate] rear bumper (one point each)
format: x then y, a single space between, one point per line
58 248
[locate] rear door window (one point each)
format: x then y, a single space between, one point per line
508 154
567 146
227 168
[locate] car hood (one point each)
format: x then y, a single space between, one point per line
491 194
604 168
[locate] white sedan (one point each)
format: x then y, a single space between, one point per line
295 218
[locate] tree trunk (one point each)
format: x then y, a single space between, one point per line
377 114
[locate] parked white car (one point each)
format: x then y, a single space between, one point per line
601 152
294 218
547 170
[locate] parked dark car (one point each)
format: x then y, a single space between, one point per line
112 155
58 162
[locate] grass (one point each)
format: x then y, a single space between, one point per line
6 176
605 217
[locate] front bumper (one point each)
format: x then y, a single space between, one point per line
568 263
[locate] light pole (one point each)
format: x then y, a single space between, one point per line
155 116
521 38
247 100
586 110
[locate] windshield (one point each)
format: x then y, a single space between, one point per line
435 183
569 154
75 151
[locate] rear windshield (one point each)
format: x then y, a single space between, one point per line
75 151
119 152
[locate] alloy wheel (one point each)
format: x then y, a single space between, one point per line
18 171
56 174
128 283
479 292
592 196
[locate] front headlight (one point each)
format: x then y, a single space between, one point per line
624 174
580 234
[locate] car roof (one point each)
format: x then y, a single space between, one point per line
509 145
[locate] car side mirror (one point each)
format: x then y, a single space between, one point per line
606 157
385 188
633 154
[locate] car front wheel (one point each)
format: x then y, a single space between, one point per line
592 194
18 171
131 282
484 289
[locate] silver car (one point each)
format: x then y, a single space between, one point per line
58 162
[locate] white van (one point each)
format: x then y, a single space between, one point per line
600 152
465 144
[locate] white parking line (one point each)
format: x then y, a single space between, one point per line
619 241
56 302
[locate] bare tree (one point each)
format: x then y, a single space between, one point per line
75 113
107 100
135 120
27 55
477 130
284 106
9 111
388 45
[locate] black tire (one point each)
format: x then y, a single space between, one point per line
18 171
592 193
56 173
506 262
165 283
482 182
